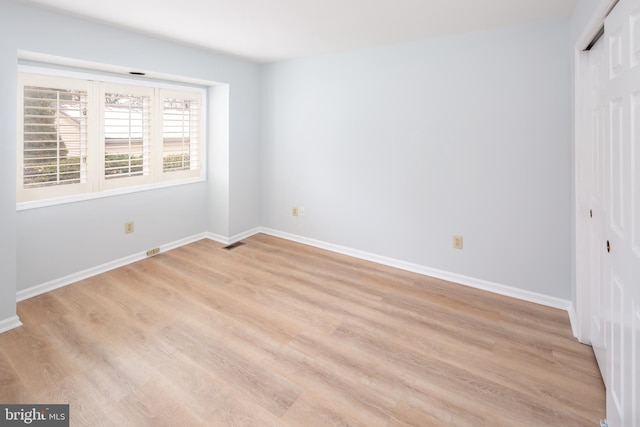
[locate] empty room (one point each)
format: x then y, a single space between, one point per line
305 213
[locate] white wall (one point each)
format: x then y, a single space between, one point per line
393 150
8 216
45 244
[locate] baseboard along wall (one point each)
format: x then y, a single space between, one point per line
403 265
10 323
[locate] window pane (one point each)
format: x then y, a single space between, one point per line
180 134
55 136
126 135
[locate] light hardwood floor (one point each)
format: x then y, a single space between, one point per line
275 333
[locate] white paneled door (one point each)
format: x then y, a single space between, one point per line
615 233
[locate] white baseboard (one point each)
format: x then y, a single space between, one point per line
403 265
10 323
235 238
217 238
573 319
94 271
244 235
428 271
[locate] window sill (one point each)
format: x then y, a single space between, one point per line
22 206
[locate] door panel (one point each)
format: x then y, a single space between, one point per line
615 51
617 165
635 170
616 385
635 37
635 365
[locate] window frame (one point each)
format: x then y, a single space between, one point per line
97 186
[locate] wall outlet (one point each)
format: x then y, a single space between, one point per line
154 251
457 242
294 211
128 227
301 211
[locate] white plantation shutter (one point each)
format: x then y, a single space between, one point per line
79 136
126 113
126 131
53 137
181 132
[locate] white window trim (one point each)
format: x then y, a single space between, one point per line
183 177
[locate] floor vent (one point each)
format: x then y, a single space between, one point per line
233 246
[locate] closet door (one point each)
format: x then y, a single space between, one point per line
621 228
597 296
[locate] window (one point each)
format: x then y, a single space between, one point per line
53 137
180 136
126 125
80 137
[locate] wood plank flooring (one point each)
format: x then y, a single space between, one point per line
275 333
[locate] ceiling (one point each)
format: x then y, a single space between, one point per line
274 30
